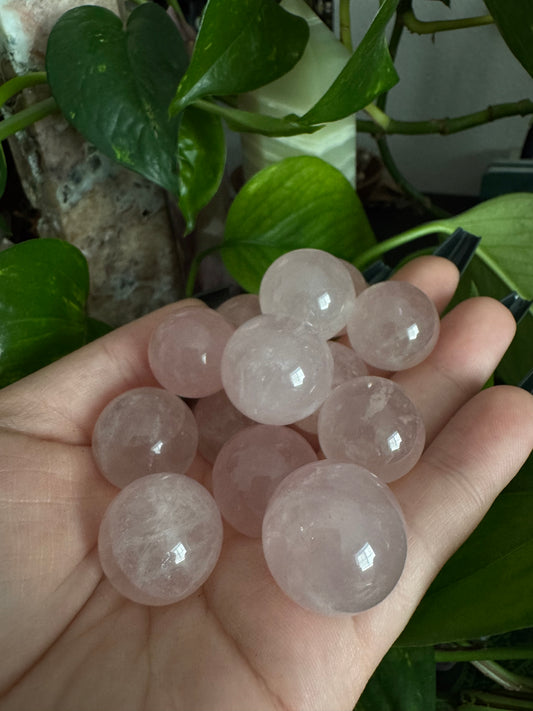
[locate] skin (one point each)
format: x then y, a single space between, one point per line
238 643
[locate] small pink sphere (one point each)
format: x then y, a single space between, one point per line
358 280
276 370
334 538
372 422
142 431
185 351
393 325
346 365
248 469
160 539
309 285
218 420
240 308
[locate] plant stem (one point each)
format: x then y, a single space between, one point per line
27 116
420 27
398 240
345 24
489 700
174 4
193 271
378 116
139 2
470 655
505 678
446 126
13 86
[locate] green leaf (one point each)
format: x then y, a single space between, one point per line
44 285
515 22
114 84
404 681
487 586
202 157
241 45
3 170
504 263
299 202
369 72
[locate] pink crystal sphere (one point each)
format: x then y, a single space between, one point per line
240 308
334 538
276 370
309 285
358 280
185 351
372 422
346 365
393 325
248 469
160 539
218 420
142 431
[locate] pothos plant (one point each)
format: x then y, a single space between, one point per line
132 91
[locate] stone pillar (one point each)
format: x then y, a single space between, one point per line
119 220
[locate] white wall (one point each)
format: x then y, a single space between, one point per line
451 74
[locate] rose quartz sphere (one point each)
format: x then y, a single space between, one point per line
142 431
276 370
358 280
346 365
309 285
240 308
218 420
372 422
334 538
160 539
393 325
185 351
248 469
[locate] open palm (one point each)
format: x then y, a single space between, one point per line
71 642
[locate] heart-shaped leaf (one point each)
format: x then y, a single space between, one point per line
115 84
241 45
202 157
404 681
299 202
44 285
369 72
515 22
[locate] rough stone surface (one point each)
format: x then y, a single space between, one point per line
119 220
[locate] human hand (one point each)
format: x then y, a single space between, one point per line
238 643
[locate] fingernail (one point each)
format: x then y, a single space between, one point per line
376 272
516 305
527 382
459 248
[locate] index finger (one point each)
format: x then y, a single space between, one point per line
62 401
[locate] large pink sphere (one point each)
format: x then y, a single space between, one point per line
346 365
218 420
334 538
143 431
240 308
372 422
393 325
185 351
276 370
309 285
248 469
160 539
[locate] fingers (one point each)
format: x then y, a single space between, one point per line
63 400
435 276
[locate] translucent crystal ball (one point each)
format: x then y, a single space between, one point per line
372 422
276 370
248 469
160 539
309 285
334 538
218 420
143 431
393 325
185 351
358 280
346 365
240 308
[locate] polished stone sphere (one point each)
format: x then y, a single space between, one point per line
240 308
218 420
